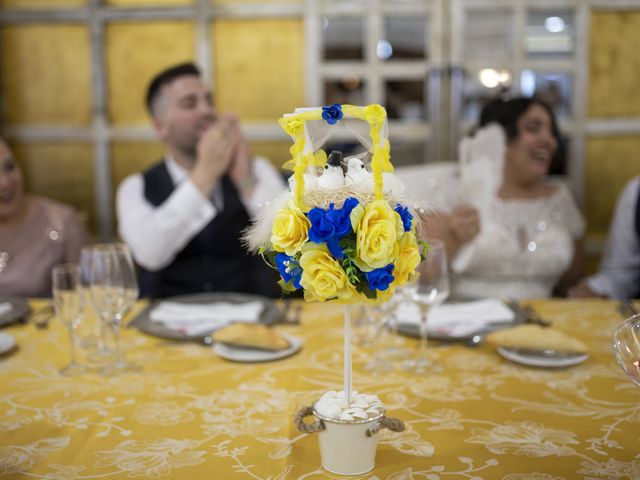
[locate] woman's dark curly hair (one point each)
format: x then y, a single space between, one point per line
507 112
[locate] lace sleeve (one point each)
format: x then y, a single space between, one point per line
569 213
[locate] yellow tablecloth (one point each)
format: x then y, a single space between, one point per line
189 414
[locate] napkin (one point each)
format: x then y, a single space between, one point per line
535 337
203 318
5 307
458 319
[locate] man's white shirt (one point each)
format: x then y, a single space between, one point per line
156 234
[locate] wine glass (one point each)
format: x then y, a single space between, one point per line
114 288
93 323
626 347
431 288
67 297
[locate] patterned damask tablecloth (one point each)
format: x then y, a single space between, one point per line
189 414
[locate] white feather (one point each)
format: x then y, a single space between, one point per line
259 233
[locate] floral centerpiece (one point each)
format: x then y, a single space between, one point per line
343 232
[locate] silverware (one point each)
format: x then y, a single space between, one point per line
294 319
553 354
627 308
41 316
528 314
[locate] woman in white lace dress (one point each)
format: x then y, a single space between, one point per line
527 241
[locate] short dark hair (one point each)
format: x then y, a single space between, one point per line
166 77
507 112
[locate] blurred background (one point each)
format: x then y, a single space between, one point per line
73 74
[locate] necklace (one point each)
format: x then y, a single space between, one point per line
4 260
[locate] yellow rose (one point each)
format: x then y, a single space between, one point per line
290 230
375 114
378 228
322 276
291 125
407 260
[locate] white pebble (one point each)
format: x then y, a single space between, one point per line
346 416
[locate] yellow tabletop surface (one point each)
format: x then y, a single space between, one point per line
190 414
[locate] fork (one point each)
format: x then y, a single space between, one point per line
41 316
627 307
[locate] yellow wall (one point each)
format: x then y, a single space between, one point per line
45 74
46 79
614 67
610 161
614 64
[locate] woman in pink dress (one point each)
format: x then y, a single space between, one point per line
36 233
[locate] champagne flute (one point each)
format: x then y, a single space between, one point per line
67 298
626 347
430 289
114 289
129 295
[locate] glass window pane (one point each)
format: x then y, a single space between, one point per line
276 152
549 34
405 100
405 152
405 37
487 33
158 45
343 38
607 169
479 87
45 75
150 3
42 3
250 79
348 90
62 171
128 158
614 64
553 88
223 2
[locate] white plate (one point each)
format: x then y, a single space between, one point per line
7 342
243 354
270 314
542 359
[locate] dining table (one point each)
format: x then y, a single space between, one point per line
187 413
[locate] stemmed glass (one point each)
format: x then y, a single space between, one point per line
430 289
626 347
67 297
114 289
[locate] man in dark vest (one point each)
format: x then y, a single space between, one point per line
619 273
183 217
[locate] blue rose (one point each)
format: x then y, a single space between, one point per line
322 228
380 278
332 113
330 226
405 215
341 218
289 269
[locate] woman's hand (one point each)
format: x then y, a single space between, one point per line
464 224
454 229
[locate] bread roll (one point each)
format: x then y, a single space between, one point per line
536 337
251 335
